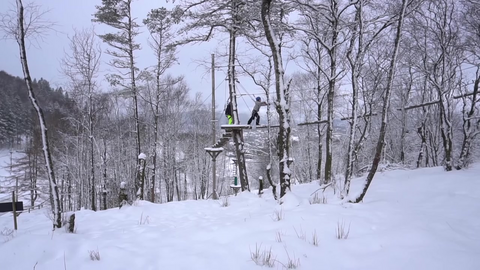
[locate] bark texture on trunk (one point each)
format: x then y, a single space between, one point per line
53 188
281 103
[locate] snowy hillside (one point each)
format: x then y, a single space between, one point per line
419 219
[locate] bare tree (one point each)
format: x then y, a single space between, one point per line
118 15
470 99
324 23
261 75
442 65
82 67
305 102
386 102
471 122
159 23
29 23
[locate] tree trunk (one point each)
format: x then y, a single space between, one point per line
332 81
104 161
470 126
446 133
155 142
281 104
386 104
319 116
92 170
272 184
141 172
53 188
354 65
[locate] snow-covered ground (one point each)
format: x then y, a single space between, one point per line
410 219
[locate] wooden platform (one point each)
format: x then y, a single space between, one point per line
266 126
211 149
234 127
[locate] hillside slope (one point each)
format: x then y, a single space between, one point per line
418 219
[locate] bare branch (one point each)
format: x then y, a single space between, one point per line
35 25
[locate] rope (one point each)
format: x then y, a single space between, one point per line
248 94
246 104
209 96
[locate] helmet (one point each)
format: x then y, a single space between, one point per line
258 98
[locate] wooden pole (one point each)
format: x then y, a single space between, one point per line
214 167
16 189
14 210
464 95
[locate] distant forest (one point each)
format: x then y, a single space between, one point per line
17 116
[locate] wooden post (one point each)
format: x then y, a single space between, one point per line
260 185
16 189
11 160
214 161
14 211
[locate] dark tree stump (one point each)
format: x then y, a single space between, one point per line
71 223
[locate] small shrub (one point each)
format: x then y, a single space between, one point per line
225 202
144 221
278 236
315 238
342 231
8 234
263 257
316 199
278 215
292 263
301 234
94 255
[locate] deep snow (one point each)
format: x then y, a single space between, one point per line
410 219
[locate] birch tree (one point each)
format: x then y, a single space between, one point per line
21 24
282 104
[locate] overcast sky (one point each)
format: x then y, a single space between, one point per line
44 58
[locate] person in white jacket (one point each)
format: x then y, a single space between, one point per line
258 103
